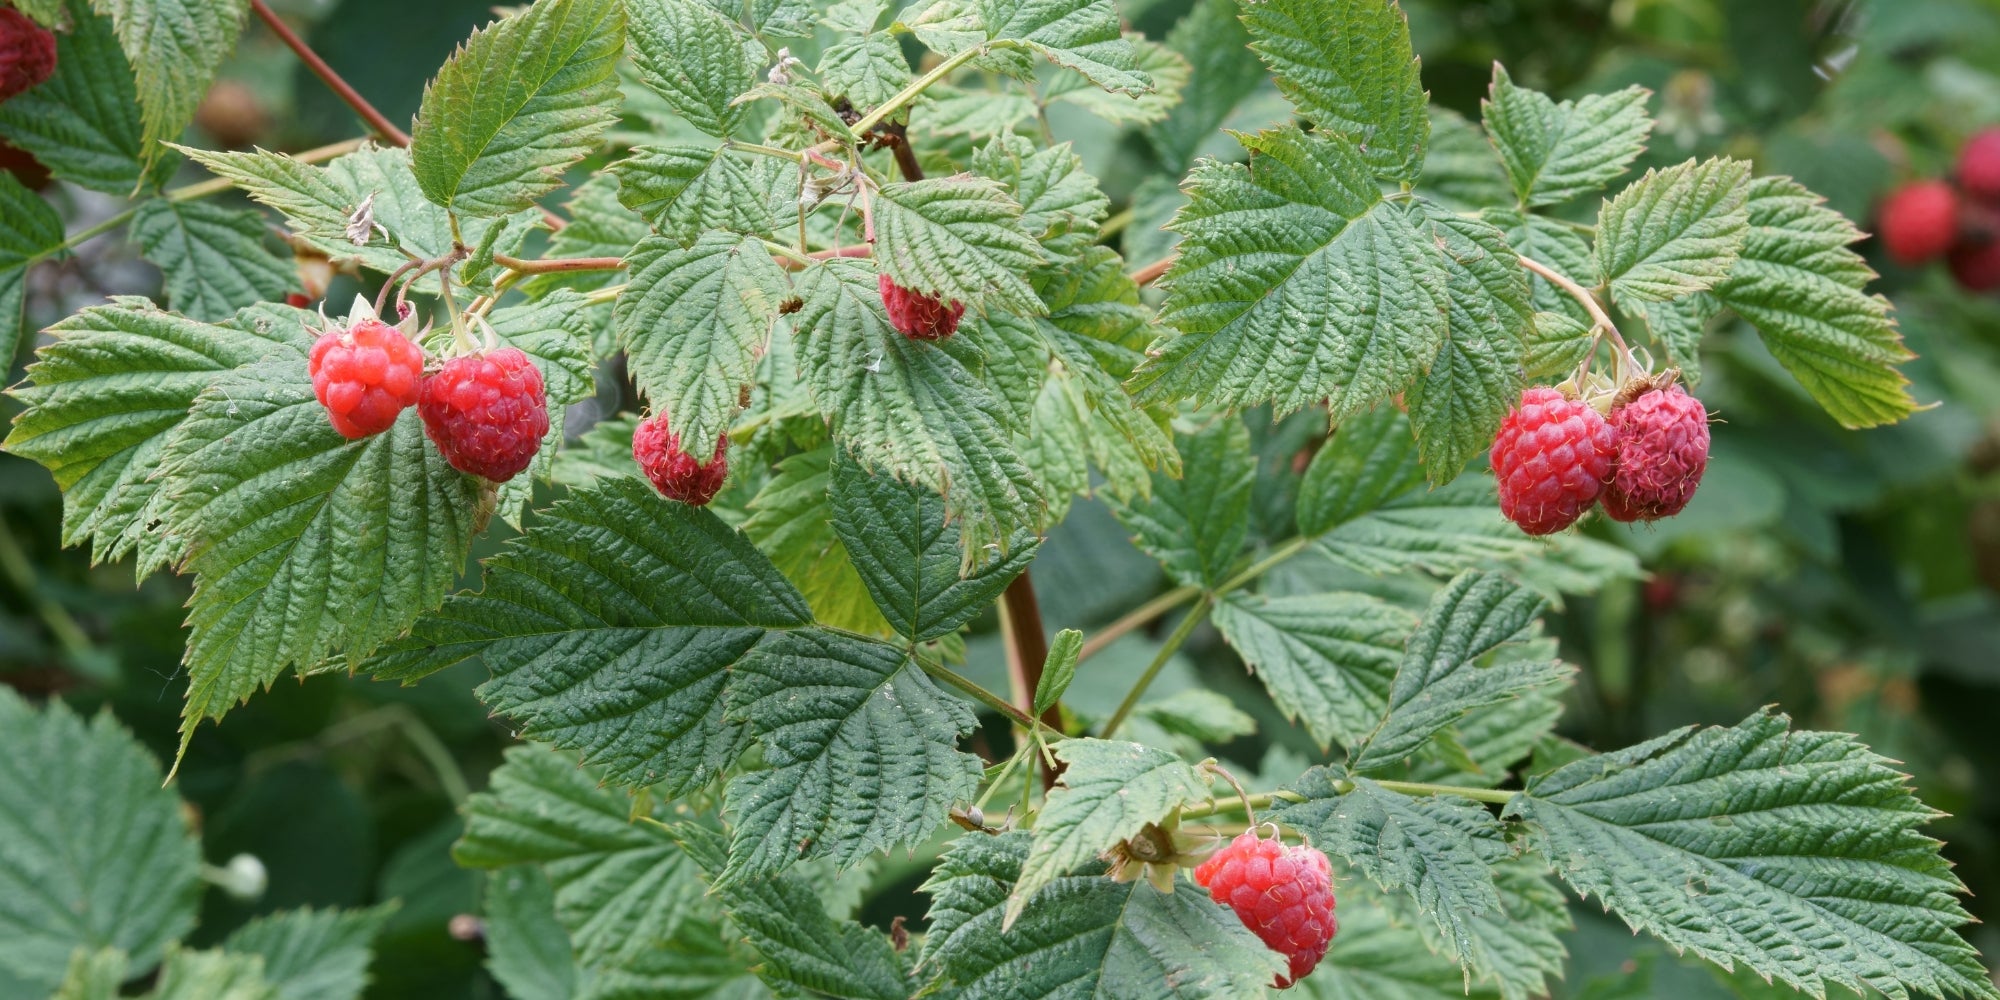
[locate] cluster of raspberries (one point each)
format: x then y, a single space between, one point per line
1958 221
1555 456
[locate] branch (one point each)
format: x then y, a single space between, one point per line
1027 652
1173 644
1151 272
382 126
984 697
559 265
1598 317
1136 618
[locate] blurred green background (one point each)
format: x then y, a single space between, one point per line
1852 577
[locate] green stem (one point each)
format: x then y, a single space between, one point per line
1167 651
1496 796
1137 617
1116 224
923 83
1263 800
21 573
1264 565
987 698
783 154
781 250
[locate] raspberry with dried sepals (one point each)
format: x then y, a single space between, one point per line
27 53
486 412
1551 460
365 375
1919 222
1283 894
677 474
919 316
1662 452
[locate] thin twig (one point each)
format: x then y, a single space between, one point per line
1600 320
375 119
1151 272
1167 650
559 265
1137 617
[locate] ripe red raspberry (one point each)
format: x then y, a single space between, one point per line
1979 167
1919 222
675 473
1662 452
27 53
919 316
1551 460
486 413
1283 894
365 375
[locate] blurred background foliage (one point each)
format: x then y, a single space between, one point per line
1852 577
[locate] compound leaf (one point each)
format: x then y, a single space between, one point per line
1348 67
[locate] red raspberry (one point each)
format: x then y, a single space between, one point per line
1979 167
486 413
1662 452
365 376
919 316
1283 894
1551 460
1919 222
27 53
675 473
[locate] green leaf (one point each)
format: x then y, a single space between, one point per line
1798 854
312 954
47 13
1108 792
555 333
1222 72
174 47
791 520
303 543
866 69
1674 231
213 975
1082 35
1196 525
1557 245
1061 205
1556 344
627 659
958 238
1456 407
318 202
686 190
1348 67
1460 170
1295 283
695 58
1441 530
1520 949
693 322
527 949
1441 676
1801 287
29 229
98 853
1167 70
1553 152
213 259
93 975
1327 659
1058 669
621 884
1378 957
771 17
83 122
1083 934
909 555
523 100
829 708
1370 460
1200 715
1488 741
1441 849
1678 326
1098 328
101 399
918 411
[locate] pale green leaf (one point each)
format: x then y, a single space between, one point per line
1195 525
174 47
1555 245
1167 69
1061 205
312 954
1456 407
1198 715
1799 854
1674 231
958 238
29 229
83 122
1108 792
773 17
1082 35
1442 530
1460 170
698 60
47 13
97 854
791 520
93 975
213 259
1442 677
1057 447
1099 331
1552 151
212 975
685 190
1801 286
1348 66
865 69
521 101
1059 669
1296 283
1556 344
1327 659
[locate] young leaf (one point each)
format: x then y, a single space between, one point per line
1457 406
909 555
1801 287
693 56
212 259
83 122
628 658
957 238
1327 659
1108 792
1348 67
621 885
29 229
828 708
1798 854
1441 678
1195 525
174 47
1082 35
1343 302
312 954
692 322
1059 669
212 975
98 853
1083 934
521 101
685 191
1674 231
1553 152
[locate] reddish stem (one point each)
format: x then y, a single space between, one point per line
556 265
382 126
1151 272
1028 649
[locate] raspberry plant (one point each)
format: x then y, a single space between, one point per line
834 238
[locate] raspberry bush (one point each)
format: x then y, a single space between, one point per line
1352 370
